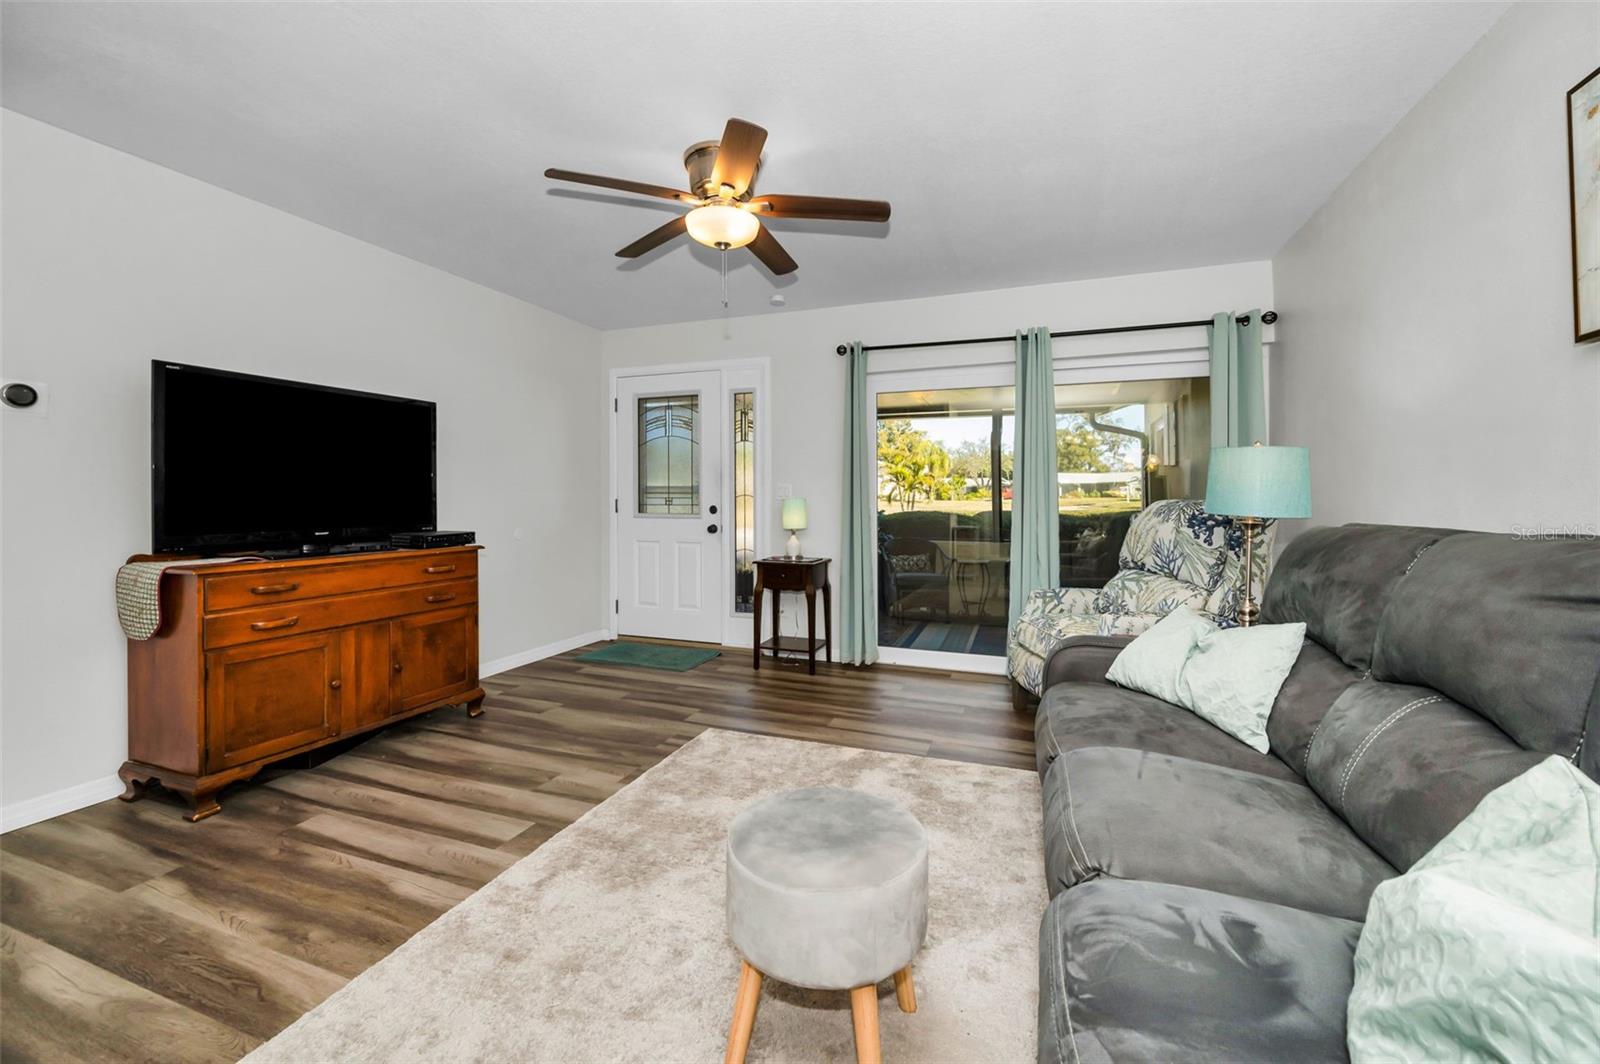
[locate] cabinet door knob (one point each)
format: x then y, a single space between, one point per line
397 666
335 685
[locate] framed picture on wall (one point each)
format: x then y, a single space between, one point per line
1583 174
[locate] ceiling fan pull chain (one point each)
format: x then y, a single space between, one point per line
724 278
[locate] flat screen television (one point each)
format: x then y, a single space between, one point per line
246 463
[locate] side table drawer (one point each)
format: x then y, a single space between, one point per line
783 577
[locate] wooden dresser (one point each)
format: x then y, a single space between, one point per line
256 661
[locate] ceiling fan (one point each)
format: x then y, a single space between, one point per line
726 214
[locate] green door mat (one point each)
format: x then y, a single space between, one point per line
649 656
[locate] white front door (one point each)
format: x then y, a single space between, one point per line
669 513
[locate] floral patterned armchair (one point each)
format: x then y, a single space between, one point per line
1175 555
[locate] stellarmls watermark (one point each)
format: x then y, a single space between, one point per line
1590 530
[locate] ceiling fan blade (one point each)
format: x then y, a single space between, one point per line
738 155
771 253
843 210
655 238
622 185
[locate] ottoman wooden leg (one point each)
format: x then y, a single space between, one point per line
864 1010
744 1014
904 990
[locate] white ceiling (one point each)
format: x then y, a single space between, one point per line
1019 143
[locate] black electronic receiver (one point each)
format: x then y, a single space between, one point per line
428 540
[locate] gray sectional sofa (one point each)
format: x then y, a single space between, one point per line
1206 899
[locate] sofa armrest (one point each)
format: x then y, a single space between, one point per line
1083 658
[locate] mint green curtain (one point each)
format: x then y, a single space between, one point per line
1035 520
1238 394
858 569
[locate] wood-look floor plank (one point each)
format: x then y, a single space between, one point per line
131 934
438 855
378 803
59 1007
251 988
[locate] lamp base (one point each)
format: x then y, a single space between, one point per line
794 545
1248 610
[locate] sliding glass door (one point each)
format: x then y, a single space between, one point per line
944 518
944 493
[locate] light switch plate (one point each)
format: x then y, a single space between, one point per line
785 491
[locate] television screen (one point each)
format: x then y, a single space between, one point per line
241 462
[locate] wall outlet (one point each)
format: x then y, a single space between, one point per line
785 491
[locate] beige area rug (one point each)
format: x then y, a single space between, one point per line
608 944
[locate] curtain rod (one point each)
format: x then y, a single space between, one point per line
1267 318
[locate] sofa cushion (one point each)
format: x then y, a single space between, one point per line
1403 765
1137 815
1073 716
1508 627
1337 581
1308 692
1151 971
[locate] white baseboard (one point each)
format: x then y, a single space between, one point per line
33 810
549 650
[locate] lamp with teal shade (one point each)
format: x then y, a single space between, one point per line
1254 484
794 519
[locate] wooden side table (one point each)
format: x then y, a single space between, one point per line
807 575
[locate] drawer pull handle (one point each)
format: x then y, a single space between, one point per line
335 685
267 626
442 598
432 569
273 589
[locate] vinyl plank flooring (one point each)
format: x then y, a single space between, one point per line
127 933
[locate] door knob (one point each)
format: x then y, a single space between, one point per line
711 528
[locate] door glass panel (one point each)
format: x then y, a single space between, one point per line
1121 445
669 455
744 501
944 518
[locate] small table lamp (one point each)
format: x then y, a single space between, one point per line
1251 484
794 519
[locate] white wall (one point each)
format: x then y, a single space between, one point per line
1425 354
807 419
110 261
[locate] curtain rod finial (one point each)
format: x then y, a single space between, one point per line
1268 317
840 350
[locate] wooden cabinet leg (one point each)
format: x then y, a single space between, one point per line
904 990
134 783
201 805
864 1011
744 1014
759 591
811 629
475 707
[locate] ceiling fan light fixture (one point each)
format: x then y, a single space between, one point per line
720 225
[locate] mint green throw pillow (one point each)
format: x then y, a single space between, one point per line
1488 948
1229 676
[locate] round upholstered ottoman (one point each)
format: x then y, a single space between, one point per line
827 889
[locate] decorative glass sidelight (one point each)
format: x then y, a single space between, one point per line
744 501
669 456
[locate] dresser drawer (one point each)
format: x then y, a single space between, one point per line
314 615
293 584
